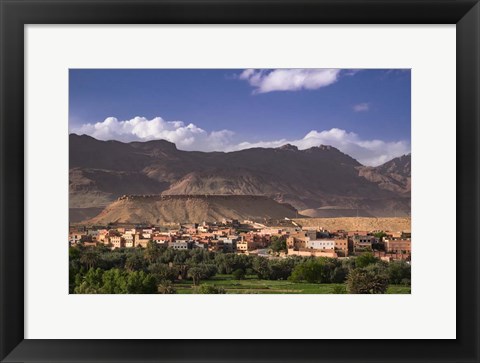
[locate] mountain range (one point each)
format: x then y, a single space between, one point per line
320 181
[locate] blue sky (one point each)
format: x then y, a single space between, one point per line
365 113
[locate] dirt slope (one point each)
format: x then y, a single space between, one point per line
360 224
192 209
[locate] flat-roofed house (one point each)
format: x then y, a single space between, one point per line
129 240
403 246
270 231
199 244
75 237
93 233
357 233
341 246
143 242
162 239
229 243
179 245
242 246
312 234
247 244
117 241
363 243
297 240
131 231
395 234
102 235
321 244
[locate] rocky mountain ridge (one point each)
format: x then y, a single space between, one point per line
317 178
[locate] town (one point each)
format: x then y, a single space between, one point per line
248 237
236 257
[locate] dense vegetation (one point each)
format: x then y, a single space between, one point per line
156 269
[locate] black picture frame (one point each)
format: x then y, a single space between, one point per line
15 14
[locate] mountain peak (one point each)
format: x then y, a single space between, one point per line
153 144
400 165
74 136
324 147
288 147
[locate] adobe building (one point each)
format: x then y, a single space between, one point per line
363 243
403 246
341 246
117 242
297 241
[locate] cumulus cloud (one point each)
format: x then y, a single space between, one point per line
191 137
185 136
361 107
289 79
367 152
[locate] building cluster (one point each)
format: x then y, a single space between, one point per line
250 238
320 243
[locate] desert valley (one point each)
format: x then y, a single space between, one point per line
257 181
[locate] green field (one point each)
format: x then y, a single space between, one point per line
252 285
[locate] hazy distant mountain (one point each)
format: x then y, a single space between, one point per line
319 177
394 175
400 166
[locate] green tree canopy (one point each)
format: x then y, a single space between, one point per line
238 274
278 244
209 289
316 270
365 259
399 272
367 281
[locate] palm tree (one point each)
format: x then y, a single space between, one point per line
152 252
134 263
166 287
89 258
195 273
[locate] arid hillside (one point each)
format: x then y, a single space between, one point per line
310 180
358 224
191 209
334 213
394 175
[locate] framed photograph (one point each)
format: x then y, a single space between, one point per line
239 181
159 206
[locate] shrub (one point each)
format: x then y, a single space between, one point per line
209 289
398 271
365 259
166 287
319 270
339 289
238 274
367 281
406 282
163 272
278 244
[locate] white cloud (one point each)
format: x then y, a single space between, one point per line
367 152
192 137
289 79
185 137
361 107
